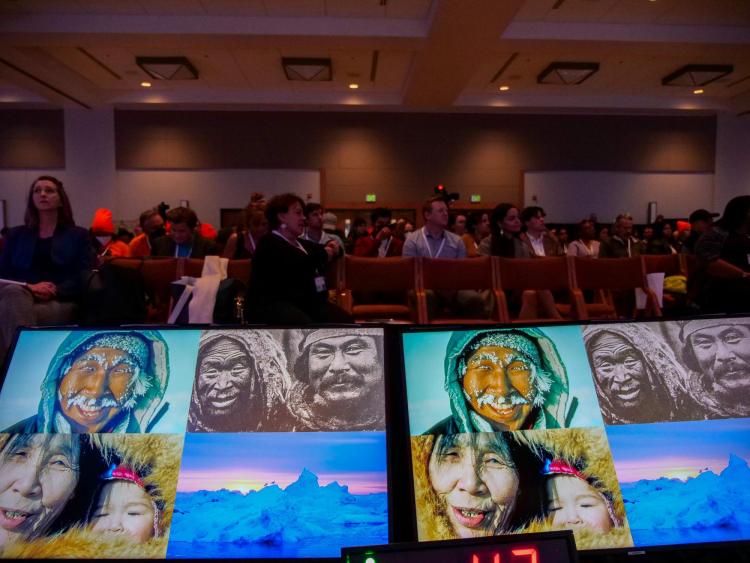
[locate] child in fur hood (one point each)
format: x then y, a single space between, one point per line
580 490
124 505
155 460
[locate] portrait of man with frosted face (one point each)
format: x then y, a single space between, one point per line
108 381
240 382
339 386
503 379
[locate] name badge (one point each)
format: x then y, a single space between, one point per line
320 284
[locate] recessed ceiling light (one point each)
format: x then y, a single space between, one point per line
146 84
167 68
504 88
353 85
698 91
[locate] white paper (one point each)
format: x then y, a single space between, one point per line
655 282
180 305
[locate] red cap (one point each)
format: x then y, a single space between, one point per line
207 230
102 222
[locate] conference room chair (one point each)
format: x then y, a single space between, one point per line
612 282
544 285
379 289
446 275
157 274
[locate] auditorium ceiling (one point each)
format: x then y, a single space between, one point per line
403 55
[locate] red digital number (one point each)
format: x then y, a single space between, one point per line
495 558
529 552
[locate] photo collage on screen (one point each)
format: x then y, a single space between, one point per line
133 441
630 434
675 397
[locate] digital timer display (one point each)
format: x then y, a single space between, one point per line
551 547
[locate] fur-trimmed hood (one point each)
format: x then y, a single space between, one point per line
148 407
586 450
552 414
156 459
585 447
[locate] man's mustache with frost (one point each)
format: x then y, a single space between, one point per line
137 388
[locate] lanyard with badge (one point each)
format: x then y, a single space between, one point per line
429 248
320 281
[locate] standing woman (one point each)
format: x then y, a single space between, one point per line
49 255
287 284
242 244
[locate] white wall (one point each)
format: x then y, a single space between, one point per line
208 190
91 180
732 158
568 197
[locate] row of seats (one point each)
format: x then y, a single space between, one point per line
396 288
583 288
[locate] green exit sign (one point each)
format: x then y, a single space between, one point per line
476 198
371 198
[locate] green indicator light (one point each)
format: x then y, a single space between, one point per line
476 198
371 198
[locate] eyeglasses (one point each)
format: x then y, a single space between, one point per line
44 190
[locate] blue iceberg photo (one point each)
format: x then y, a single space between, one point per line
259 511
686 482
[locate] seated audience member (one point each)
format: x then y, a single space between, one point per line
381 242
701 221
647 235
621 243
124 235
314 230
242 244
478 228
585 245
661 242
505 226
457 224
48 254
287 285
152 227
184 240
330 225
723 252
536 238
603 234
357 230
102 232
434 240
563 238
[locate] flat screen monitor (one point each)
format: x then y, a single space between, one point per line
165 442
631 434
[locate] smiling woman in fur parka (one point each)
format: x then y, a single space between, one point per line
152 461
548 473
580 490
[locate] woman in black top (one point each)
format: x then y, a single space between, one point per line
287 284
48 256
